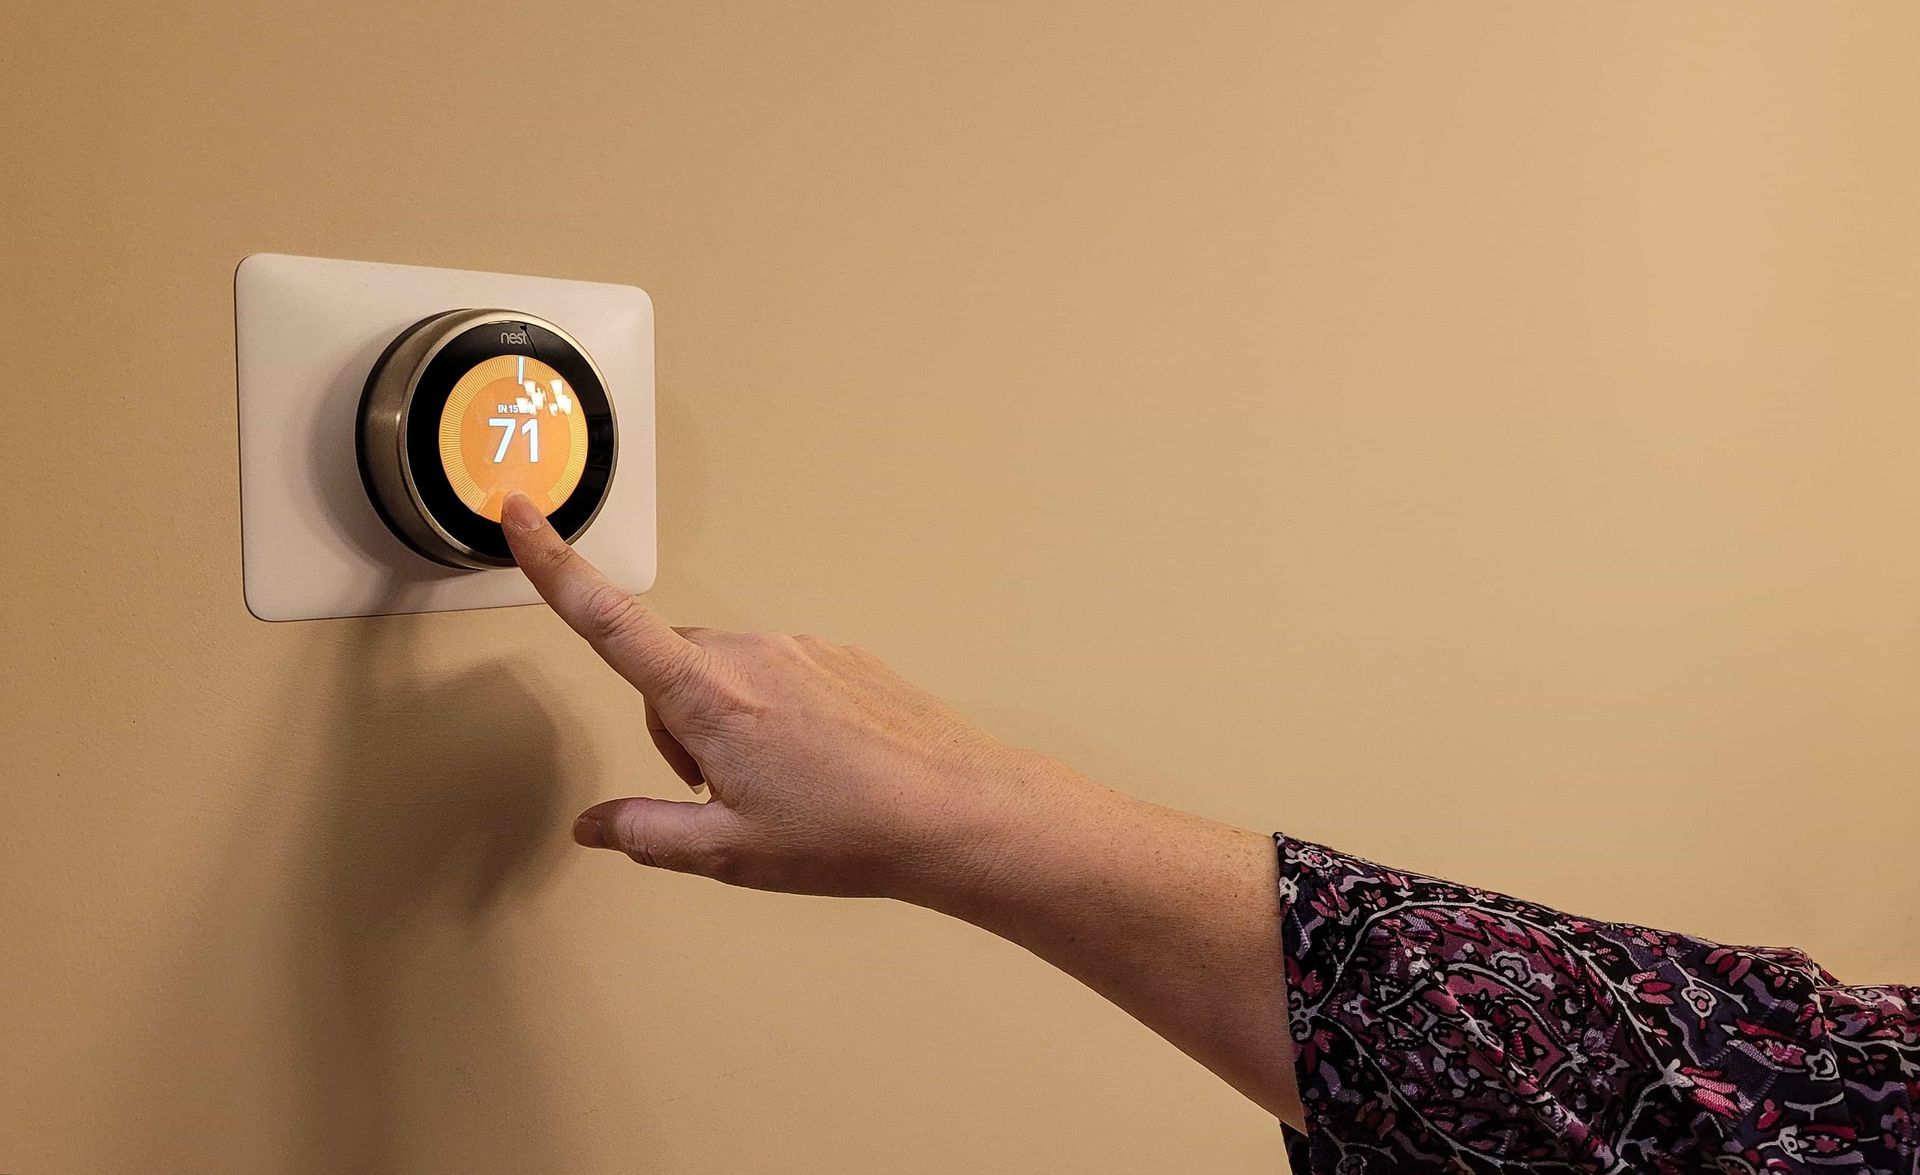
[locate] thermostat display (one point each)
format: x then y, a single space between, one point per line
512 423
468 406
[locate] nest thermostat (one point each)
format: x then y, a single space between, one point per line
467 406
386 412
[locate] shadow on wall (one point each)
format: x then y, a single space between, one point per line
441 794
383 911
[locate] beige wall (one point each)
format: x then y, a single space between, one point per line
1478 436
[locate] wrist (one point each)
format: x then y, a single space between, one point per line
1006 840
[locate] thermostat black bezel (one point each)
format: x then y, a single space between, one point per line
400 415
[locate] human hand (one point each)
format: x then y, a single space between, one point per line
828 772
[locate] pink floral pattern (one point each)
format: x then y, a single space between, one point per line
1438 1027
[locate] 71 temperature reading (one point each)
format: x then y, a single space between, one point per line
531 427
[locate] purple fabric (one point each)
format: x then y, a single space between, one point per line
1438 1027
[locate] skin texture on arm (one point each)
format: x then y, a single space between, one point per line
829 773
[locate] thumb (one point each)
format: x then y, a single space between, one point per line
683 836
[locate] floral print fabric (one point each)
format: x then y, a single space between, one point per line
1438 1027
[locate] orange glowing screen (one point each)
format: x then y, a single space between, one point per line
512 423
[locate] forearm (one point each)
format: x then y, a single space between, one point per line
1172 917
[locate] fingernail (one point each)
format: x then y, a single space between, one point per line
587 833
519 512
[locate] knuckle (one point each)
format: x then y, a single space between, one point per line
767 646
554 557
639 846
727 711
606 609
679 675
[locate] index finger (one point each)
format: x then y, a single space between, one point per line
639 645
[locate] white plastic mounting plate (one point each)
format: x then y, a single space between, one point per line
307 331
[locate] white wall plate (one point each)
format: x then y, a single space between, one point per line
306 332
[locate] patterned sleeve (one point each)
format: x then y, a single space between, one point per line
1438 1027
